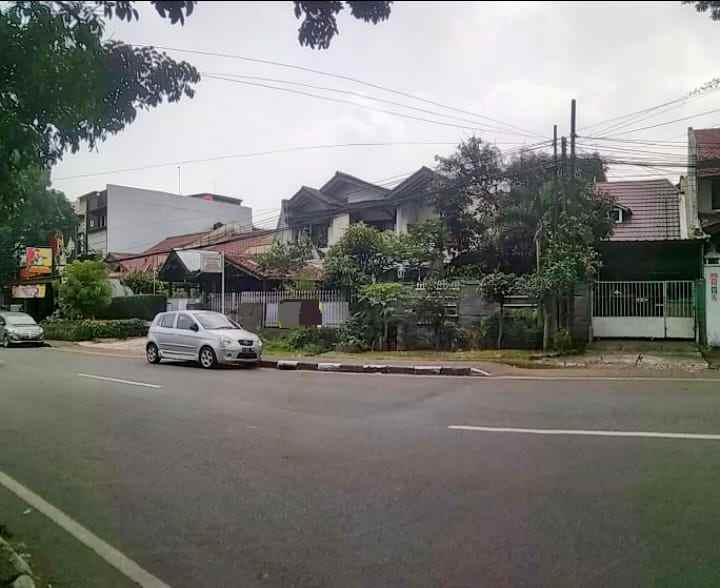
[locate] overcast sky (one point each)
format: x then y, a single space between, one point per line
519 63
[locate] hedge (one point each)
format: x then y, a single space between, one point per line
86 330
144 306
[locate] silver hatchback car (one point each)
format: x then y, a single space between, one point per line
209 338
17 328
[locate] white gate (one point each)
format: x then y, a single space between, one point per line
647 309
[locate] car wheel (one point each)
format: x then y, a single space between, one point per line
207 358
152 354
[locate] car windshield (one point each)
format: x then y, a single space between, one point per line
215 320
20 320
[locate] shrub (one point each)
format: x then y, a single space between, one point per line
562 341
521 330
353 336
84 290
312 340
127 307
86 330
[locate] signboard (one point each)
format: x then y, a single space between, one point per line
37 261
211 262
29 291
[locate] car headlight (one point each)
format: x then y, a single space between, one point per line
226 341
259 343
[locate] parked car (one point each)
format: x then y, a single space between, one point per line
207 337
19 328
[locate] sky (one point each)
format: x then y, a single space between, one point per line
518 63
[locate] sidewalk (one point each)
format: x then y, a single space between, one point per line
600 361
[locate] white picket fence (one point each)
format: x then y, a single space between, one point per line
334 305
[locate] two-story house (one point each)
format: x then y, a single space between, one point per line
323 214
702 215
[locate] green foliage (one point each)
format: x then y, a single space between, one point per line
713 6
465 194
432 306
285 259
84 289
62 84
496 287
382 304
312 341
36 212
87 330
563 341
362 255
319 24
521 330
139 282
143 307
422 249
354 335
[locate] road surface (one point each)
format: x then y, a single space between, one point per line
248 477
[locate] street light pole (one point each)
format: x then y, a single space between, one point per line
222 281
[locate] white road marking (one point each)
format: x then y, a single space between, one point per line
117 380
120 562
590 433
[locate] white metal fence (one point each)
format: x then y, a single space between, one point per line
653 309
333 305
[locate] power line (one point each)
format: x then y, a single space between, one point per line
340 77
251 154
366 107
238 77
662 124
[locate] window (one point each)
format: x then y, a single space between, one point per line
168 321
616 215
214 320
185 322
715 186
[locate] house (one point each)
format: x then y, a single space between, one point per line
323 214
702 211
651 271
121 218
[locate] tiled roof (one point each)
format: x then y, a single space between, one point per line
176 241
654 210
708 151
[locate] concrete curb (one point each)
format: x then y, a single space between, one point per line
355 368
20 575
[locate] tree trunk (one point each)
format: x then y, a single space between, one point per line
501 317
548 316
386 328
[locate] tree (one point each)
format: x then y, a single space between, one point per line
140 282
713 6
84 289
62 85
431 306
285 258
465 192
319 24
422 250
38 212
382 303
362 255
496 287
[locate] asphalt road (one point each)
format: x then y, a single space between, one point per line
247 477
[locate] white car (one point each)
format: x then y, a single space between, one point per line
17 328
210 338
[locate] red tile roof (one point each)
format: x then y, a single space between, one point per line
654 207
708 151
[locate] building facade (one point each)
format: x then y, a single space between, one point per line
129 220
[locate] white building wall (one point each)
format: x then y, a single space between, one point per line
97 242
137 218
338 225
412 213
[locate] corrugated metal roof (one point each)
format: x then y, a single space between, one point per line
654 210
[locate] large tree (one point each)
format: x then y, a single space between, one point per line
319 24
38 212
713 6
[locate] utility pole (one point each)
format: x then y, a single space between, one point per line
573 134
563 160
555 178
179 190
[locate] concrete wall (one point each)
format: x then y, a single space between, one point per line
691 203
137 218
97 242
704 194
338 226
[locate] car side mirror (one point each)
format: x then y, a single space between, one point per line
194 327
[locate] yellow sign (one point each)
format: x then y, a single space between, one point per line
29 291
38 260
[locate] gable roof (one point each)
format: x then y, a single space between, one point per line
418 181
175 241
313 193
342 178
654 207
